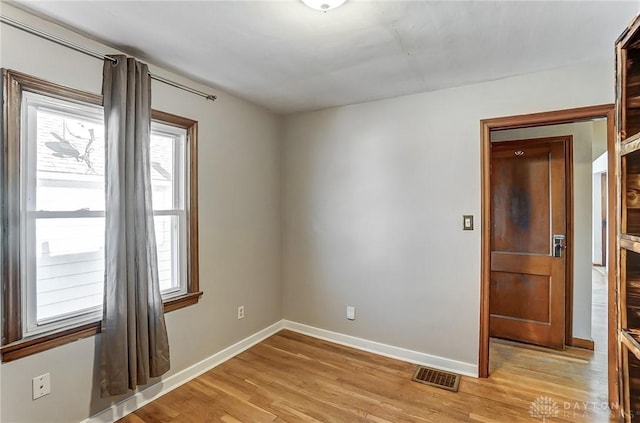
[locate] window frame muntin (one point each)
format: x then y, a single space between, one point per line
12 344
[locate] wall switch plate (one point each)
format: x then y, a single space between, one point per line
467 222
240 312
351 313
41 386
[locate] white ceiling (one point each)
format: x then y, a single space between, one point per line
289 58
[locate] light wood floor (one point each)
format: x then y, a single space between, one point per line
294 378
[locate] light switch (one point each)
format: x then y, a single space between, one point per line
467 222
351 313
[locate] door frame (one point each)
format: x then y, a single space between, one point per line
541 119
567 141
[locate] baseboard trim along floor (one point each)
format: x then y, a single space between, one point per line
141 398
403 354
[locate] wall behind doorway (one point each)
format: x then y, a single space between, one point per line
599 169
585 145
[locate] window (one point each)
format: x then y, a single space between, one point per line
61 212
53 246
168 183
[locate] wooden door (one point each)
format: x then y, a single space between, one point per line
528 210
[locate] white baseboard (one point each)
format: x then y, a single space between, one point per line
141 398
416 357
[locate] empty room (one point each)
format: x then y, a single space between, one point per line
319 211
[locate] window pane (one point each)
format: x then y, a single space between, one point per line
69 161
69 266
162 171
167 239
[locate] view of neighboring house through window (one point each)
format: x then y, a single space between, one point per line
62 211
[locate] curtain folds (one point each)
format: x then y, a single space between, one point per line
134 343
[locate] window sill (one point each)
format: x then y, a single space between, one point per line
25 347
182 301
29 346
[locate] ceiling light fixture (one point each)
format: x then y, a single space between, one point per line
324 5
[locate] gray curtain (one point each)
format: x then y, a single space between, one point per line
134 344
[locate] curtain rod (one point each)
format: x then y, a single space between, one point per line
38 33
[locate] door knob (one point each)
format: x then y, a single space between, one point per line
558 245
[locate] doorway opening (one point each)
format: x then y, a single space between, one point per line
575 332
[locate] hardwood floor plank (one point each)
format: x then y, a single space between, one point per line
292 378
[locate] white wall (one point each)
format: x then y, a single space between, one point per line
374 196
240 230
596 232
599 138
599 168
582 133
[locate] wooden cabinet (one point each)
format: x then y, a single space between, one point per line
628 275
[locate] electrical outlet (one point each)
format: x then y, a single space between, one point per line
240 312
351 313
41 386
